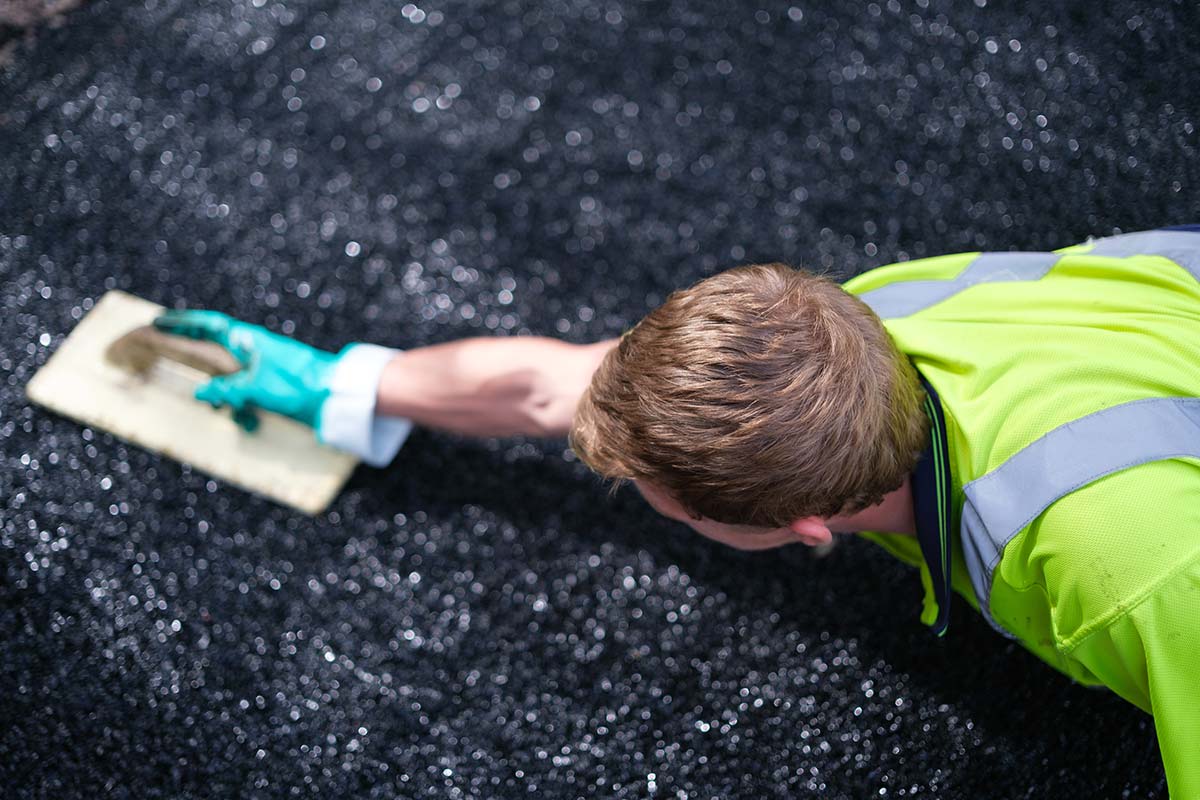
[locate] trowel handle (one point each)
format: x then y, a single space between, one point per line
138 350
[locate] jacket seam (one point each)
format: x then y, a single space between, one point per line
1079 637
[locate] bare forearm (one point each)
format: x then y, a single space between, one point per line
523 385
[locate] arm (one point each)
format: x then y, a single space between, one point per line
366 398
1132 598
1151 657
523 385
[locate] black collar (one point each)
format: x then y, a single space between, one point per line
930 482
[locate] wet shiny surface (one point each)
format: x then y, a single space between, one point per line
479 621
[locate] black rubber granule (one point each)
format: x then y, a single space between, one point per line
479 620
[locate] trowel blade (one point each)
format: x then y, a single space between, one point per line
281 460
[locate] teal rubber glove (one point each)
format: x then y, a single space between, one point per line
279 374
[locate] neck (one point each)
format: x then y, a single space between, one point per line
893 514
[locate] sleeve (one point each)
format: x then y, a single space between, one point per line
347 420
1151 657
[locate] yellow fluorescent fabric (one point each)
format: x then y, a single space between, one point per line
1105 584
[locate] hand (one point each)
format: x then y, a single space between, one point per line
279 374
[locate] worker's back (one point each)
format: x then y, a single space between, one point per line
1038 359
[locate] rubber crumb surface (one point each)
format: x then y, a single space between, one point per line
479 620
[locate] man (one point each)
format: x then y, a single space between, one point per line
1022 427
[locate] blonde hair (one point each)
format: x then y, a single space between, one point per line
758 396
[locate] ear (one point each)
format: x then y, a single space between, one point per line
812 531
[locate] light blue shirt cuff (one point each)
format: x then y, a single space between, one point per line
348 421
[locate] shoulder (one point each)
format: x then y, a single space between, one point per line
1102 549
925 269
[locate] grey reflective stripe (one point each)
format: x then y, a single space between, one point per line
1182 247
1002 503
903 298
908 297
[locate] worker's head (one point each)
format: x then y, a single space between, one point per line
756 401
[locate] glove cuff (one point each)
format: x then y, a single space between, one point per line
347 418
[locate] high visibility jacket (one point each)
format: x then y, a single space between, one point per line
1068 389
